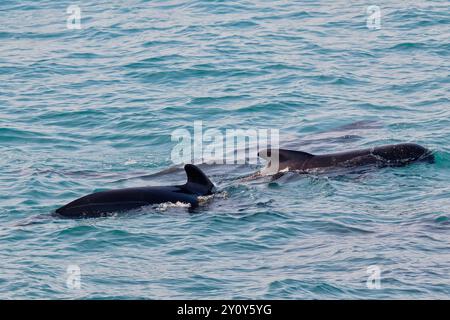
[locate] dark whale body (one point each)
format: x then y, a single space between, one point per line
382 156
100 203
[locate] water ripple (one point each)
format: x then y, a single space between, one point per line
93 109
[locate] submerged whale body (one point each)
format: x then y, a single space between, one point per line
382 156
101 203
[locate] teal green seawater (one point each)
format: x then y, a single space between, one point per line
94 108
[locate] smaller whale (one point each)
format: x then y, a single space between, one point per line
100 203
382 156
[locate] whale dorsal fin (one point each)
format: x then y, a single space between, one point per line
286 155
197 181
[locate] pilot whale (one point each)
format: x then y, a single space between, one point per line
381 156
100 203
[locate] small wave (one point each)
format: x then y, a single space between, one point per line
76 231
292 288
408 46
239 24
337 228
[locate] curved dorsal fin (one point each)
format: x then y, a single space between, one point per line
197 181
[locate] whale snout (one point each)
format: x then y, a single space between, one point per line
428 156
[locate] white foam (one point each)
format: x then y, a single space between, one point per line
166 205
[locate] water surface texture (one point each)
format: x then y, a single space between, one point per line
93 109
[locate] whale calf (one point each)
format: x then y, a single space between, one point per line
382 156
100 203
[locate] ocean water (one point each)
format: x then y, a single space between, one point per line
94 108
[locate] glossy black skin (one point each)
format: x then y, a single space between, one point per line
389 155
101 203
